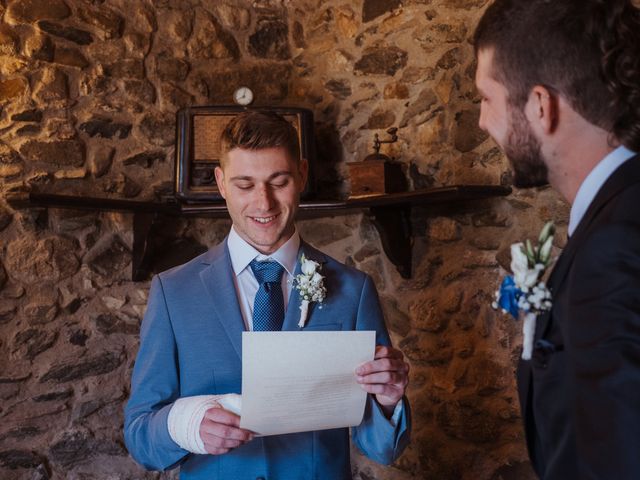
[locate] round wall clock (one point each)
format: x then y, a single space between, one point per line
243 96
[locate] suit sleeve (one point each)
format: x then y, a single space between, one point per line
603 332
154 388
376 436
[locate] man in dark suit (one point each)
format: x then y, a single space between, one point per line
560 87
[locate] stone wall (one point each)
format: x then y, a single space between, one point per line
88 92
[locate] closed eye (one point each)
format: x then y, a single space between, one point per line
280 183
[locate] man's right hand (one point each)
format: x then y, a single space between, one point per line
220 431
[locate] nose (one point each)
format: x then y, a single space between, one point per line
263 198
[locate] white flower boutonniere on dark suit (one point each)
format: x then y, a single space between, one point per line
524 293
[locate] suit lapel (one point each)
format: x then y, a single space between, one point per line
627 174
217 278
292 317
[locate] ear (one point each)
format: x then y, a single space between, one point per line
219 173
543 109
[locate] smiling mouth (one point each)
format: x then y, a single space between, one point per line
264 220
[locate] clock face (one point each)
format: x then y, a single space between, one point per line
243 96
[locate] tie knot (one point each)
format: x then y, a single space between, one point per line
267 272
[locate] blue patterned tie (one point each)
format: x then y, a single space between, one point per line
268 307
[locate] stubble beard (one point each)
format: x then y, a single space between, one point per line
524 153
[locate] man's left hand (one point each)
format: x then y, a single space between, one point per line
386 377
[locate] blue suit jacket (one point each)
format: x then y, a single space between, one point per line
190 344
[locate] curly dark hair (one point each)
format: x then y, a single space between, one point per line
588 51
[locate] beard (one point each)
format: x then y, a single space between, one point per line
524 153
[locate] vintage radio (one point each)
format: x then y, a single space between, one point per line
198 147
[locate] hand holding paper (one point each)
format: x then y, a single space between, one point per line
220 431
386 377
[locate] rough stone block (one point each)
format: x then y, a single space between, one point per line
423 104
106 128
32 342
126 68
32 115
81 37
49 259
12 88
108 324
396 90
39 47
171 69
450 59
53 396
270 40
71 57
51 86
467 421
468 134
146 159
141 91
381 61
64 153
8 40
372 9
41 314
210 40
159 129
7 171
100 159
109 22
30 11
20 459
86 367
110 259
444 229
7 312
77 446
340 89
232 16
380 118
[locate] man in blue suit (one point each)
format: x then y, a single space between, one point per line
190 341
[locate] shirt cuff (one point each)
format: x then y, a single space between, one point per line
397 413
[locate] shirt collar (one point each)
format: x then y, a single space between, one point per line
593 182
242 253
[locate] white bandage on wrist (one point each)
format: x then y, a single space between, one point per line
186 415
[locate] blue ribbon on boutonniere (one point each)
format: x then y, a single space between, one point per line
508 296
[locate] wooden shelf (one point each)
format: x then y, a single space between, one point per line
391 214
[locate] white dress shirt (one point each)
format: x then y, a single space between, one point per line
242 254
593 183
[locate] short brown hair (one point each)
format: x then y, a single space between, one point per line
255 130
585 50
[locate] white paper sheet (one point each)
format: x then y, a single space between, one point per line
303 381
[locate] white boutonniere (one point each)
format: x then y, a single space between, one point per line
524 292
310 285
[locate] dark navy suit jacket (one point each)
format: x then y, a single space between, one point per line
580 393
